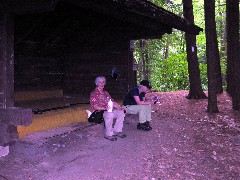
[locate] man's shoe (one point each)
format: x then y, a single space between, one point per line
111 138
148 124
120 134
142 126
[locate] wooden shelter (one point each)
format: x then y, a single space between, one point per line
62 45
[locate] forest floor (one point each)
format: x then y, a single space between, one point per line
185 143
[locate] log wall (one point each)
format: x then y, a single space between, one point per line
76 71
82 69
64 51
34 73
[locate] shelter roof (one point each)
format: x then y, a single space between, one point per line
139 12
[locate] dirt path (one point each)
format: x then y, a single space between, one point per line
185 143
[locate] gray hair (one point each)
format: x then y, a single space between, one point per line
100 78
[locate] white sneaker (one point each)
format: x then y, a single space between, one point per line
88 113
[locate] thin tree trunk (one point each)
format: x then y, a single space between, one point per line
183 41
219 88
166 48
143 67
196 91
210 30
142 72
222 32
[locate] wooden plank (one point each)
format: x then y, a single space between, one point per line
37 73
15 116
83 67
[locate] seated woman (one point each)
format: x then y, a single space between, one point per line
99 99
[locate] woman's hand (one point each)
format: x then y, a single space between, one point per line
118 106
123 109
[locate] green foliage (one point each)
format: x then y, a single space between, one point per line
160 3
203 75
166 60
170 74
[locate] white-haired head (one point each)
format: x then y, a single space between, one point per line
100 78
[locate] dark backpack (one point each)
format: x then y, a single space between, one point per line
96 117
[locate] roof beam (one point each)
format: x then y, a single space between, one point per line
27 6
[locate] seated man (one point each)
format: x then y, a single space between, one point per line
135 103
99 101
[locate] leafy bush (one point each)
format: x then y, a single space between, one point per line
170 74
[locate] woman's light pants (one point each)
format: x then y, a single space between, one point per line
108 119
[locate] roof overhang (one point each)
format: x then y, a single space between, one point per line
143 13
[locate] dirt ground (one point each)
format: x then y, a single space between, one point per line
185 143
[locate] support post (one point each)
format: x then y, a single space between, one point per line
10 116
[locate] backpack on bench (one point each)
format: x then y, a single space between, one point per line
96 117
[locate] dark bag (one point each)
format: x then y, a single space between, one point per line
96 117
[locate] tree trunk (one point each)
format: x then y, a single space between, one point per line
210 30
143 66
196 91
222 32
219 88
233 59
166 53
223 41
141 63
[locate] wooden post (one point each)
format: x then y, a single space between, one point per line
10 116
6 74
6 61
